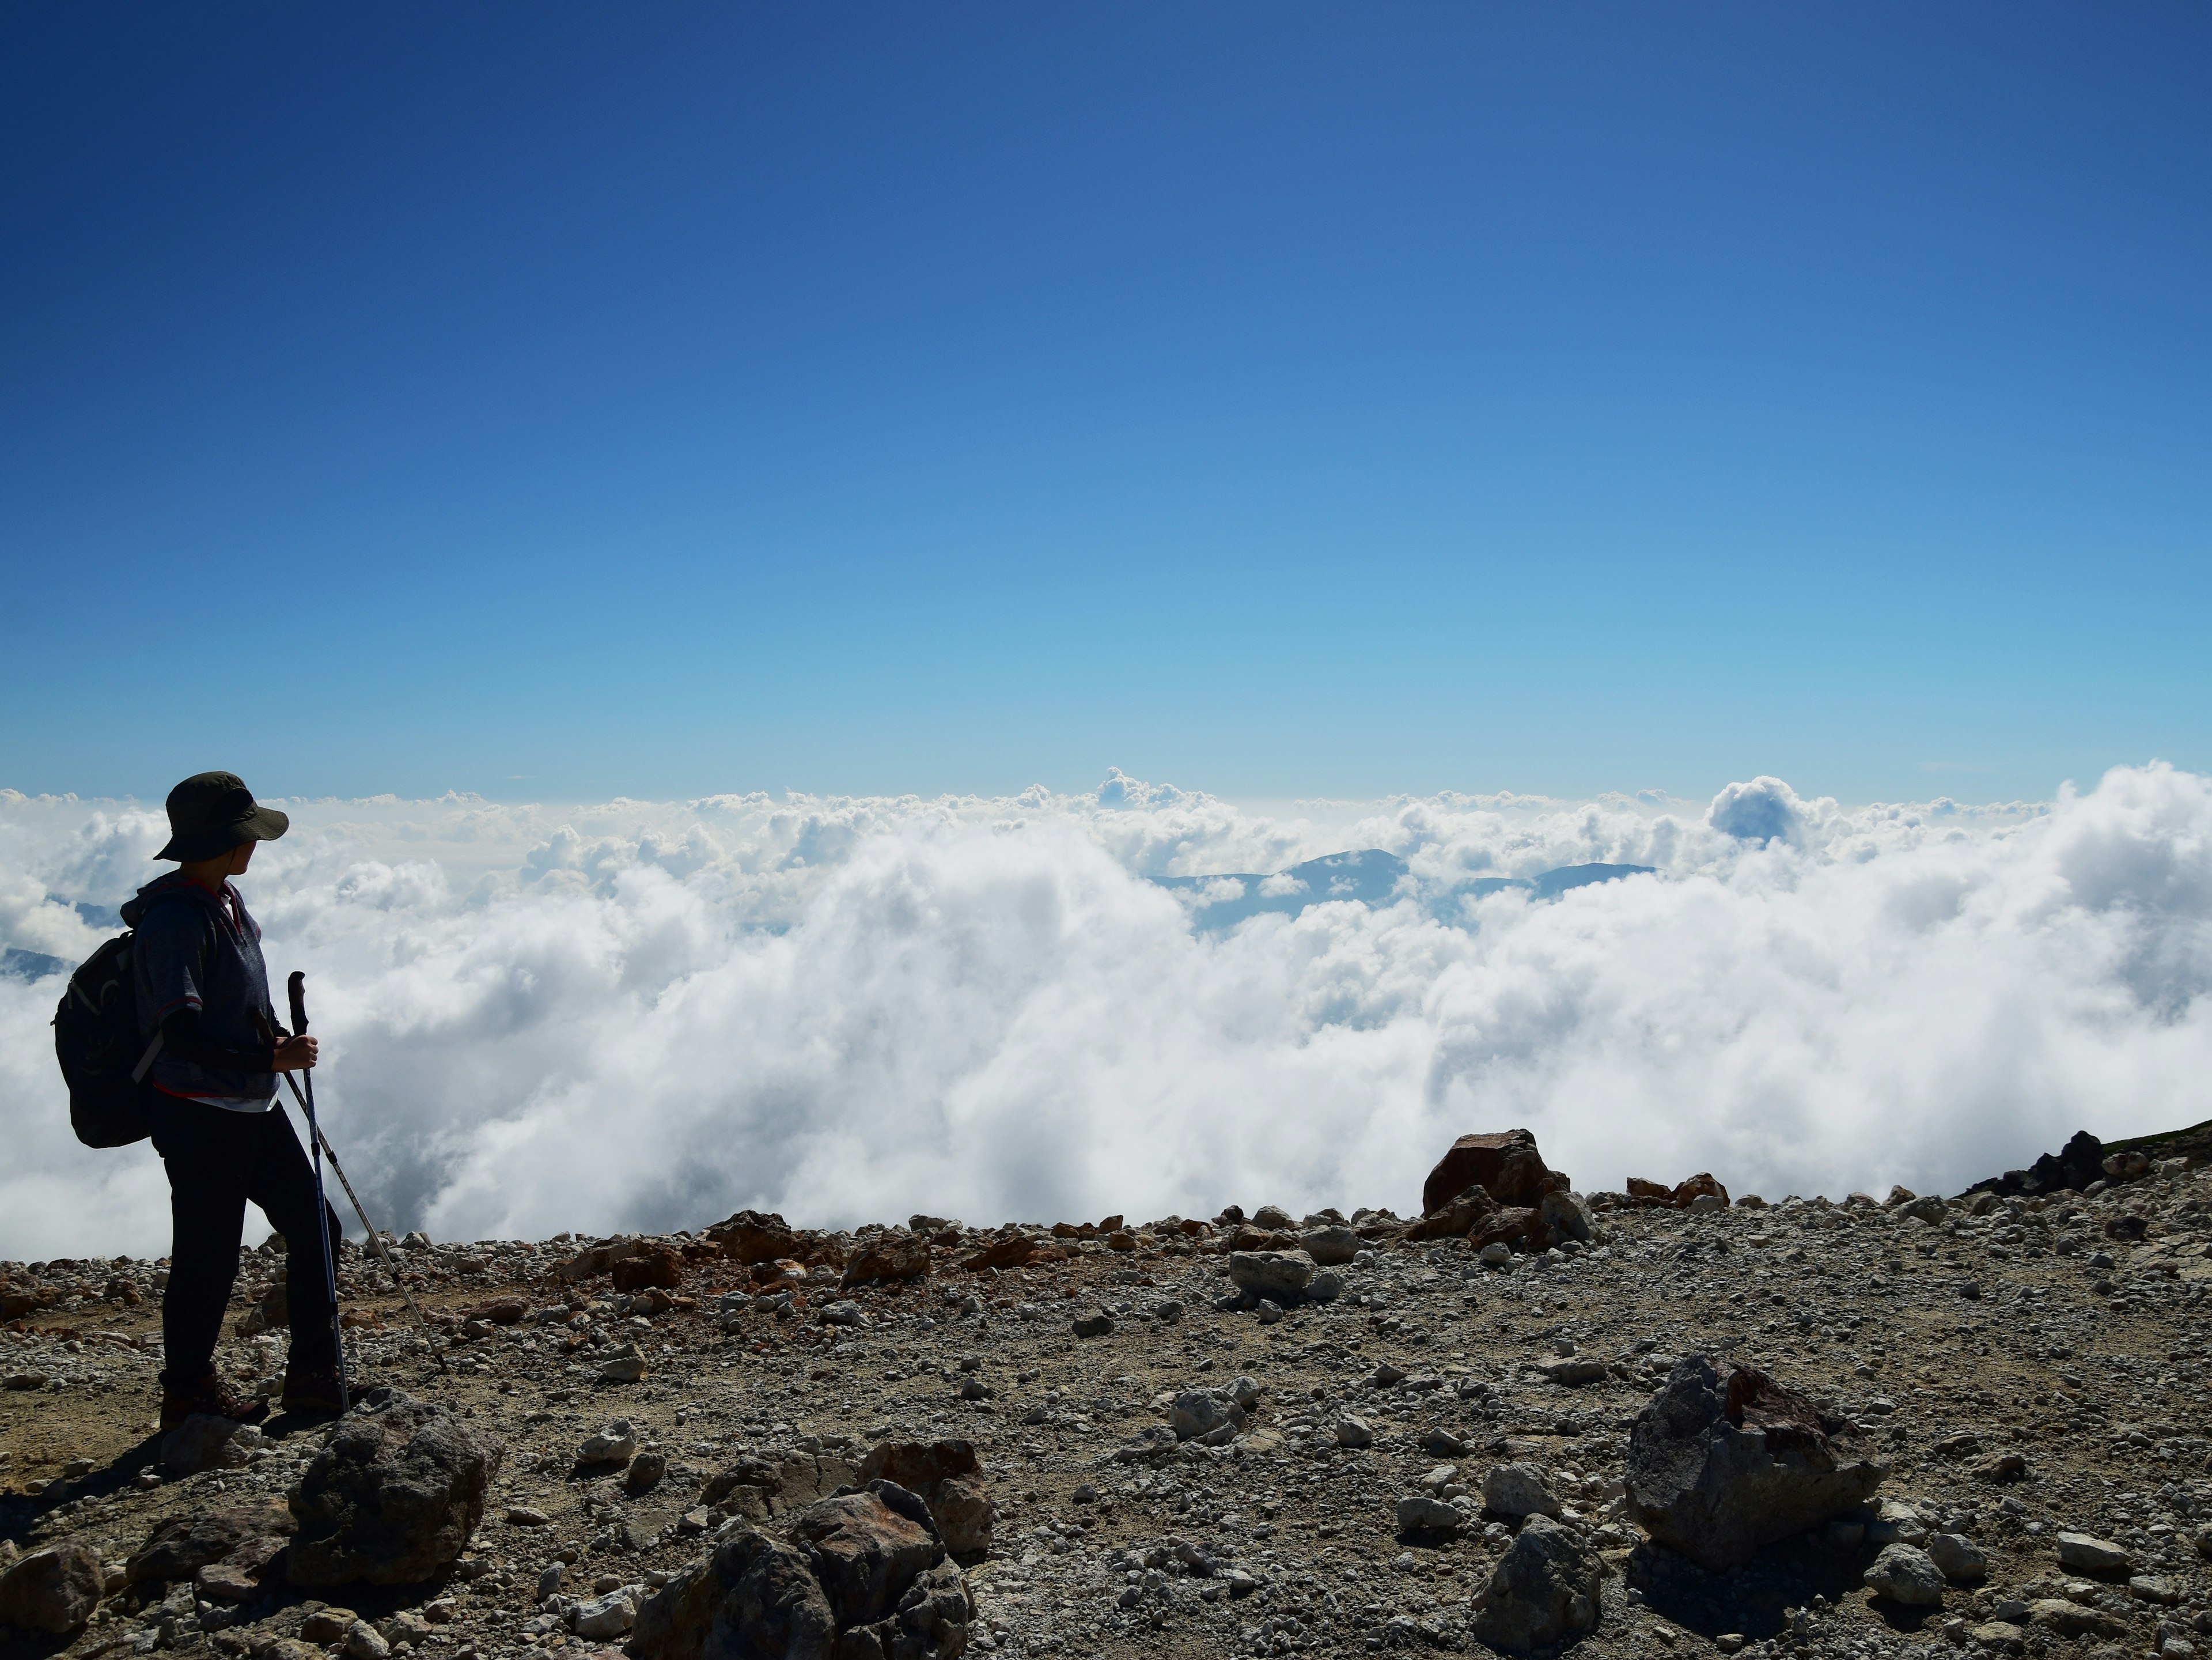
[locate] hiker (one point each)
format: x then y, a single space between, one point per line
200 981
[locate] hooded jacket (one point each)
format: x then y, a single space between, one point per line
198 954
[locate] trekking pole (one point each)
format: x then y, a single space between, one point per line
375 1239
297 988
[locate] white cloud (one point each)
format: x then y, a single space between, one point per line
648 1014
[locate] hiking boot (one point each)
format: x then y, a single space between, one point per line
212 1397
311 1390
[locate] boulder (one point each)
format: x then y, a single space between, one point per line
1566 1216
1010 1252
1330 1246
864 1576
202 1442
2087 1554
1518 1490
53 1590
660 1267
867 1547
1282 1275
1211 1417
1546 1589
1093 1321
2070 1619
887 1256
1517 1228
1421 1513
2073 1168
753 1595
1904 1573
754 1236
392 1496
615 1444
1456 1218
1714 1473
645 1473
1959 1559
948 1478
179 1547
602 1617
1506 1166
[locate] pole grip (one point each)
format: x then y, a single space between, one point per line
296 988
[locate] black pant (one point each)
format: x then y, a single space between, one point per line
217 1160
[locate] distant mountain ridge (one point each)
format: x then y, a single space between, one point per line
1369 876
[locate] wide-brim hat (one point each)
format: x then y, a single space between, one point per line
211 813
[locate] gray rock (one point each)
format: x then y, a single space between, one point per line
1331 1247
2074 1619
1094 1322
1573 1369
753 1595
1212 1417
1545 1588
1905 1574
181 1546
1354 1431
2151 1588
615 1444
1715 1485
1495 1255
1566 1216
644 1473
362 1642
1420 1512
393 1496
865 1575
1518 1490
202 1442
867 1548
1927 1209
1326 1286
602 1616
1282 1275
2086 1554
1959 1559
53 1591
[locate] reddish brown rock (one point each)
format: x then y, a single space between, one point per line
1677 1197
888 1256
1504 1165
1456 1218
500 1311
1517 1226
948 1478
754 1236
181 1546
54 1590
866 1549
662 1267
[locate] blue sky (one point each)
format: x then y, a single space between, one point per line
568 401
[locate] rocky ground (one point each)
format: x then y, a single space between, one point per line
1179 1469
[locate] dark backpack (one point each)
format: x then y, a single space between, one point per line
96 1040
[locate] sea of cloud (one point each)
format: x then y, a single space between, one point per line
646 1015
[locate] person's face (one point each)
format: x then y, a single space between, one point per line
241 856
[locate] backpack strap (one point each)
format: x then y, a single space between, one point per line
152 1048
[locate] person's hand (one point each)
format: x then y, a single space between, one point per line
295 1055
